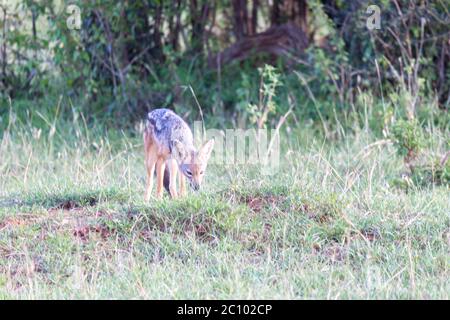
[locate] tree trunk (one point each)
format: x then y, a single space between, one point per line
175 24
275 16
199 15
157 40
254 21
240 15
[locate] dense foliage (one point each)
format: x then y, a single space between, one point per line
357 207
131 56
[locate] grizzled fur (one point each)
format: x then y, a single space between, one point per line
166 127
169 146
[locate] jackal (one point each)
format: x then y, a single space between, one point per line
169 147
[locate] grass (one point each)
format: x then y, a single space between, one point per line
330 224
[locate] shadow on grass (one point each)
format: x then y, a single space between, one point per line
208 219
64 200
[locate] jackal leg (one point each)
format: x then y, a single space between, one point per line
182 185
150 161
160 166
173 169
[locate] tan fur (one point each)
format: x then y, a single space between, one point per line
169 150
157 157
173 169
182 181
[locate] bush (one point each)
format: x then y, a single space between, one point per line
409 139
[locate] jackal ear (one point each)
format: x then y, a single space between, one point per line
205 150
178 150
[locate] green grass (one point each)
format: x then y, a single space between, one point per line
330 224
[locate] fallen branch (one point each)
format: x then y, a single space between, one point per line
286 40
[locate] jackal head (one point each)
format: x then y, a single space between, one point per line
192 163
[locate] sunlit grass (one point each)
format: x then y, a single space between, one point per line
329 224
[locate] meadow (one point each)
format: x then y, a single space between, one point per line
359 207
332 223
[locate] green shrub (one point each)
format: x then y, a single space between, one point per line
409 139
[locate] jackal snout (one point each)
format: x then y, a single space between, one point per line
193 163
195 186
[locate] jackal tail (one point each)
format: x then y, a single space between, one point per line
166 180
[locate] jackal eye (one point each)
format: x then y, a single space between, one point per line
201 172
188 172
